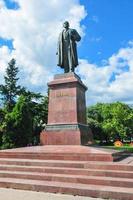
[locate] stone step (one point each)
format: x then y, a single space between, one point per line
97 180
60 156
90 190
51 163
70 171
108 166
70 164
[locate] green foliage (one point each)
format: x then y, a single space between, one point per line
111 121
23 125
39 110
18 125
2 117
24 113
10 90
125 147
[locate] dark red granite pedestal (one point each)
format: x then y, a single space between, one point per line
67 112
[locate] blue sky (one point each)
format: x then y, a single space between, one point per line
109 20
105 53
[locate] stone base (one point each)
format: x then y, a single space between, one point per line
66 134
67 124
60 138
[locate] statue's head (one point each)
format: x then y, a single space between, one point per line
66 24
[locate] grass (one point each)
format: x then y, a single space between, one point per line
124 147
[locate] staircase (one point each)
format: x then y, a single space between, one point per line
22 169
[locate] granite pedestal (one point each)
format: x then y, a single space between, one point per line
66 112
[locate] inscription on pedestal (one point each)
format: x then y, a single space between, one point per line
61 94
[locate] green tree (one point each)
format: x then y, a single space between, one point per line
2 117
10 90
117 120
40 113
23 125
94 119
38 106
18 125
24 114
111 121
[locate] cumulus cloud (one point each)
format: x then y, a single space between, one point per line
34 28
101 86
4 58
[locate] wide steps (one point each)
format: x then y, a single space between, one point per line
91 190
64 170
69 164
72 170
97 180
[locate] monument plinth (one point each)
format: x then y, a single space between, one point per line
66 112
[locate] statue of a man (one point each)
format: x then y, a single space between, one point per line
67 48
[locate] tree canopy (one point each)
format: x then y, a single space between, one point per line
24 113
111 121
10 89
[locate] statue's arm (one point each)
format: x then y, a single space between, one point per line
75 35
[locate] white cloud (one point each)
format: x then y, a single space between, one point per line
95 39
34 29
130 42
4 59
98 78
2 4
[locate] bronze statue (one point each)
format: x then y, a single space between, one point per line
67 48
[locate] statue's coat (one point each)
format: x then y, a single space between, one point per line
72 50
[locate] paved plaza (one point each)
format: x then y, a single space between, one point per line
12 194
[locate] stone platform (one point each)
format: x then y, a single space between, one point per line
76 170
63 152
